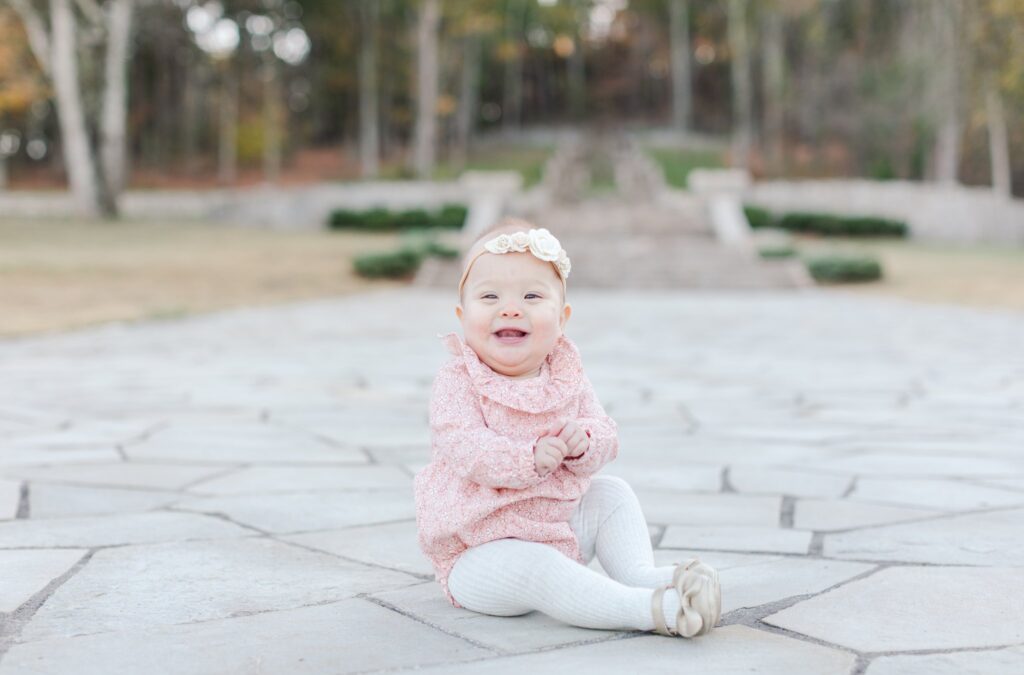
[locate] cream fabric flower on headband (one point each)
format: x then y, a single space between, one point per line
541 243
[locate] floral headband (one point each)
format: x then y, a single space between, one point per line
541 243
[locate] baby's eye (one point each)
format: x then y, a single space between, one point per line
532 295
489 296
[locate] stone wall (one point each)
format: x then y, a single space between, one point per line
933 212
291 208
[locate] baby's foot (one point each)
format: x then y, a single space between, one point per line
697 604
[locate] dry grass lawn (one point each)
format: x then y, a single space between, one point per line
57 276
61 275
977 276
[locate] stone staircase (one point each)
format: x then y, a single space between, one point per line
632 238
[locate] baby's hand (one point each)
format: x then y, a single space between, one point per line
548 454
575 438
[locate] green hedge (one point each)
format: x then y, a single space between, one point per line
395 265
770 252
826 225
844 268
450 216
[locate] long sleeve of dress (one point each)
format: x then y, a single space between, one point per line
603 433
461 437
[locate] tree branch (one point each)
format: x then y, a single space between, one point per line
38 38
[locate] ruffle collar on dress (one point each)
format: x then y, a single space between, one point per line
560 379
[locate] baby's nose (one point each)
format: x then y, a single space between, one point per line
511 310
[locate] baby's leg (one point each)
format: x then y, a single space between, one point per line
610 522
509 577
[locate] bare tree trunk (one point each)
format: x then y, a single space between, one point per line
114 116
227 158
369 135
947 143
774 85
512 111
424 151
577 77
679 34
78 154
271 119
998 141
465 117
190 105
742 131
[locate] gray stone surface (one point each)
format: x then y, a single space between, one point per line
392 545
350 636
304 512
730 651
160 476
762 480
25 573
196 581
733 538
512 635
47 500
991 662
978 539
933 494
916 608
832 514
114 529
10 498
238 477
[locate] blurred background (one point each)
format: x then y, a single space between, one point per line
161 157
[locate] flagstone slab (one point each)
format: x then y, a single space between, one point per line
393 545
267 480
305 512
49 500
25 573
992 662
112 530
732 650
349 636
122 474
136 587
974 539
950 495
908 608
921 466
764 480
734 538
10 498
508 634
671 507
247 442
12 460
754 580
832 514
667 475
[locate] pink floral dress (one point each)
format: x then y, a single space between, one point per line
482 484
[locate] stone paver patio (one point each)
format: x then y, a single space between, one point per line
232 493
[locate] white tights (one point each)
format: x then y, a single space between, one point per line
509 577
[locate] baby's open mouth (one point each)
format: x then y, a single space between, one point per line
510 333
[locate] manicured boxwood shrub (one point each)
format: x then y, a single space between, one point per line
772 252
835 268
758 217
826 225
398 264
451 216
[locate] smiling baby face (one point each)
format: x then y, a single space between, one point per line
513 311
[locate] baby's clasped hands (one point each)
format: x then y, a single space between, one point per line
564 439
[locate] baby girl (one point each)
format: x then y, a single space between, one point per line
509 510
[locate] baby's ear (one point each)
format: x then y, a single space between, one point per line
566 313
458 312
